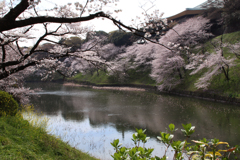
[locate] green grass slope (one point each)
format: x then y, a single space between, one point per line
219 85
97 78
20 140
102 78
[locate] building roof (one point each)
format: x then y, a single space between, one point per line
189 12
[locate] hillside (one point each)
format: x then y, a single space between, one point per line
219 85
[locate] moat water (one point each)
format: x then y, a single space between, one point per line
90 119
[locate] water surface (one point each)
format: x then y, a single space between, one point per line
90 119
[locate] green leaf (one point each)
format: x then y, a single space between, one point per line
188 129
193 152
171 127
115 143
123 149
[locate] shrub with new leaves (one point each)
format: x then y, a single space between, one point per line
8 106
199 150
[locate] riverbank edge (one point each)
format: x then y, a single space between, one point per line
22 140
206 95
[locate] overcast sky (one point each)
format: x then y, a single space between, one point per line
131 8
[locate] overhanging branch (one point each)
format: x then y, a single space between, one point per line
9 24
17 69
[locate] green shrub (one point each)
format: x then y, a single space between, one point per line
197 150
8 106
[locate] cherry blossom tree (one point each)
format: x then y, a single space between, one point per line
21 19
168 60
14 84
137 56
20 22
168 66
18 19
215 63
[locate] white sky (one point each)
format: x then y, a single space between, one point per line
131 8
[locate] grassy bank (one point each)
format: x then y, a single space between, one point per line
102 78
219 85
20 140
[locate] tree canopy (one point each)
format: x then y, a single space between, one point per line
18 21
59 47
59 28
120 38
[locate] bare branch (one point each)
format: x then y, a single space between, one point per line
28 29
17 69
19 50
12 24
16 11
84 8
3 57
48 40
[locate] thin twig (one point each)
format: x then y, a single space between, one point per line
84 8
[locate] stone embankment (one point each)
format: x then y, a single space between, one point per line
201 95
